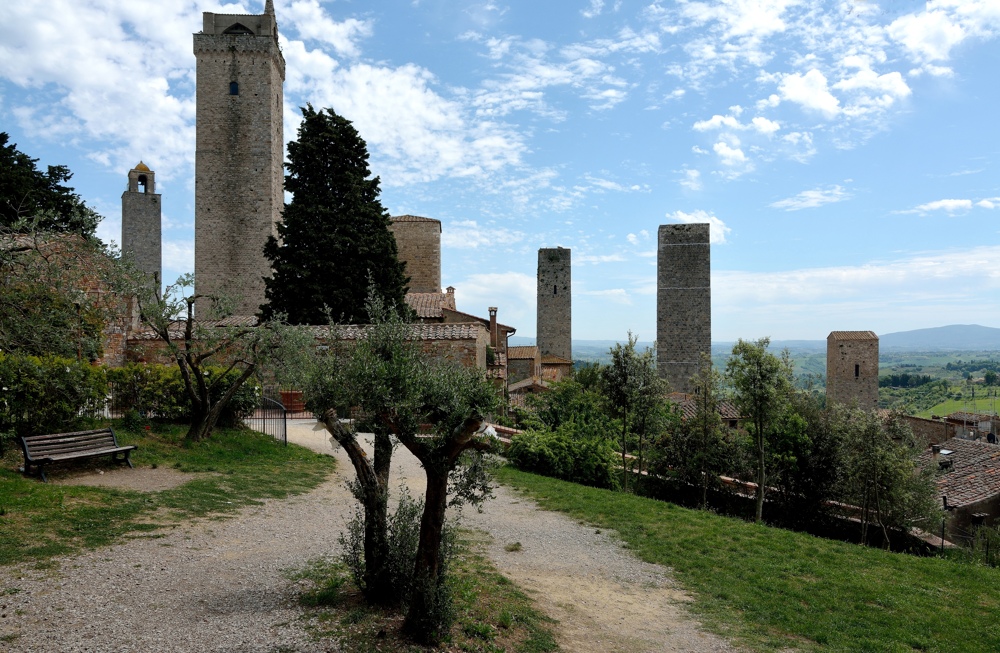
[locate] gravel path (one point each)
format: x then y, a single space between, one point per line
219 586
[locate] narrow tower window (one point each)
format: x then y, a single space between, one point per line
234 88
857 370
553 290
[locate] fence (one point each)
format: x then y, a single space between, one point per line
269 418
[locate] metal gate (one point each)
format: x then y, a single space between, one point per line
270 417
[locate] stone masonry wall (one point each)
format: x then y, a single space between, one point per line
418 243
683 302
852 369
239 177
554 328
141 218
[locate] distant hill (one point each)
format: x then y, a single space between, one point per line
955 337
961 337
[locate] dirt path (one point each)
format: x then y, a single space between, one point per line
221 586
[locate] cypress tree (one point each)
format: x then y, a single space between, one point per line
334 242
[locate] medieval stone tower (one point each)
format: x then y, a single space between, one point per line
239 178
141 217
852 369
418 244
683 302
554 334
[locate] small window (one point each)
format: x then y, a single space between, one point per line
554 290
857 370
234 88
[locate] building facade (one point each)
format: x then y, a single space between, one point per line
554 327
683 302
852 369
418 244
239 177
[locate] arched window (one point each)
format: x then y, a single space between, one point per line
234 88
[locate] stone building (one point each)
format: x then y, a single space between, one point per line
852 369
141 219
554 329
239 178
418 244
683 302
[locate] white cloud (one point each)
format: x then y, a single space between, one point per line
730 155
810 91
948 205
989 203
595 8
312 23
468 234
513 293
691 180
613 295
717 228
810 199
599 258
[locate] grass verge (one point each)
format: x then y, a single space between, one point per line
492 614
235 468
770 589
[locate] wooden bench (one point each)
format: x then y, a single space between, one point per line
41 450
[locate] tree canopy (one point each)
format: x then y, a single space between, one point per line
334 241
40 199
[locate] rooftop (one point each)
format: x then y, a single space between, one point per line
975 472
522 353
852 335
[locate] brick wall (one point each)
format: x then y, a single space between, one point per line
683 302
418 243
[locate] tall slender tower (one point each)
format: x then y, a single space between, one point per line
683 302
141 218
554 332
238 158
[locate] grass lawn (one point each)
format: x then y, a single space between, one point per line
982 405
768 589
491 614
40 520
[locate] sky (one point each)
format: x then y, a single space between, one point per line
845 153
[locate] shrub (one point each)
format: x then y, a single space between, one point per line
564 453
48 394
157 392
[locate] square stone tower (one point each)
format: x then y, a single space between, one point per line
141 218
852 369
554 334
239 178
418 244
683 302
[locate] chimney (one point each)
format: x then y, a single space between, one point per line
493 327
451 298
935 451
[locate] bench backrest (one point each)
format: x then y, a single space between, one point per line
39 446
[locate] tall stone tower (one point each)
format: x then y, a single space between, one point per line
418 244
852 369
683 302
141 218
239 179
554 334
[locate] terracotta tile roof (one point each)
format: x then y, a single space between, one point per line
486 321
176 328
521 353
413 218
555 360
688 407
852 335
975 472
431 331
970 417
532 382
430 304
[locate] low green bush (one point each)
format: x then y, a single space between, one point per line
48 394
567 454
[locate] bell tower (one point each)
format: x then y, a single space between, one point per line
141 218
239 151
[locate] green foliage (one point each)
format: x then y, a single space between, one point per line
566 454
48 394
334 240
26 192
570 401
905 380
157 392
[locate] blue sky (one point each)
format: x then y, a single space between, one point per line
846 153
